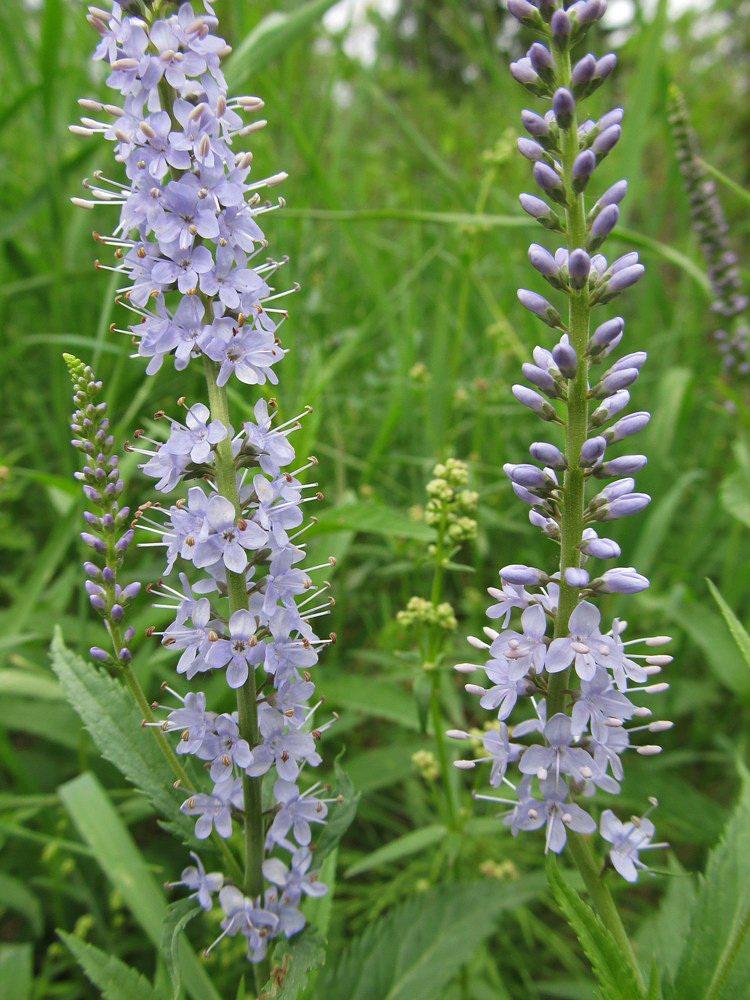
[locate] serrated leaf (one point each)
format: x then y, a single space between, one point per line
716 958
661 938
176 919
115 979
614 974
401 847
292 961
341 816
270 38
415 951
114 722
735 626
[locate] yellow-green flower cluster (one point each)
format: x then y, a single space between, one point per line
451 506
419 611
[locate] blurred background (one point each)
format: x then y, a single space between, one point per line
396 121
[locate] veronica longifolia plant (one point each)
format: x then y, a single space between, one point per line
582 681
186 245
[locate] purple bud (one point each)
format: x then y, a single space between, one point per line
579 268
530 149
542 61
535 402
605 65
610 407
588 11
591 451
534 124
540 378
576 578
125 541
560 27
108 522
92 519
548 179
527 475
565 358
116 612
548 454
524 12
124 655
627 260
613 117
523 72
626 506
635 360
95 543
97 603
606 141
612 196
614 490
623 279
91 494
129 634
108 575
525 496
524 576
583 71
563 106
92 588
90 569
606 333
540 211
583 167
538 305
602 226
601 548
616 381
630 424
131 591
625 465
99 654
622 580
543 261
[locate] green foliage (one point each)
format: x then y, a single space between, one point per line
715 961
341 816
613 972
112 718
115 979
15 971
414 952
735 626
292 962
176 919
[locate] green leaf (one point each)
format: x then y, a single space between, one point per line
14 895
738 630
292 961
119 858
662 937
373 697
732 185
113 719
401 847
341 816
735 495
270 38
115 979
178 916
415 951
374 519
15 971
716 958
29 685
613 972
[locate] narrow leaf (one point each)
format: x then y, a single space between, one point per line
402 847
15 971
178 916
292 962
341 816
738 630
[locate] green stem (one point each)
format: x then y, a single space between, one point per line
580 850
226 483
572 508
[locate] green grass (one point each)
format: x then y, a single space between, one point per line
404 231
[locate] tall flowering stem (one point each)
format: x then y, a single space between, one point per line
186 244
710 226
577 675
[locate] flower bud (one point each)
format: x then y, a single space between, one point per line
563 106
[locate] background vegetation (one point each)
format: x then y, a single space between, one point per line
404 231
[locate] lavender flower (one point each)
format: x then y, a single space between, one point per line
576 670
186 247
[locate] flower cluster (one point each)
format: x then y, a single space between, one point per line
109 534
581 679
186 242
711 229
